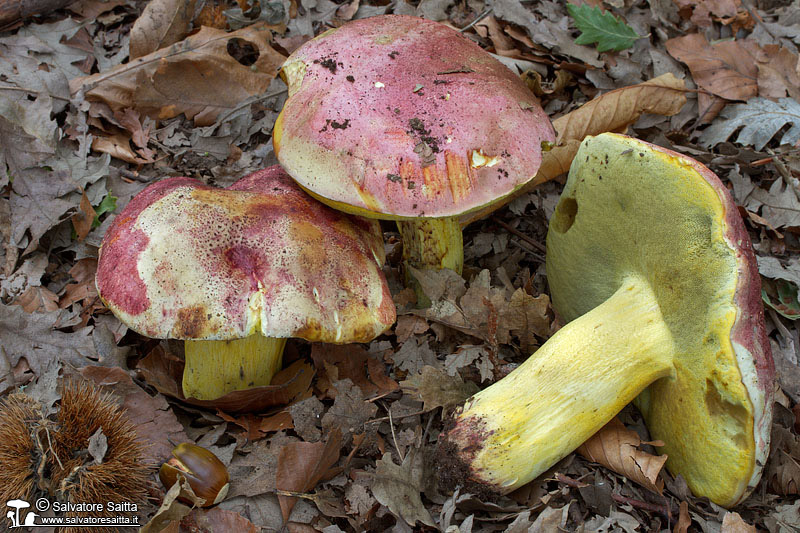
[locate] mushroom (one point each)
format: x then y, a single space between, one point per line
396 117
237 271
649 261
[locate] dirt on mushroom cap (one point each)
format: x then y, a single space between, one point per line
409 119
185 260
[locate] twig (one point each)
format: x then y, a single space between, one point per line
394 437
524 248
26 90
790 180
646 506
574 483
385 418
134 175
485 13
536 244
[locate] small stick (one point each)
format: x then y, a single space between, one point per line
518 233
661 509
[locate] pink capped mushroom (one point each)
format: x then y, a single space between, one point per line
235 272
401 118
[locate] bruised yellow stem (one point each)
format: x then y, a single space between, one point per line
215 368
514 430
432 243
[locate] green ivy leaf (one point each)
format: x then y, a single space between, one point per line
608 31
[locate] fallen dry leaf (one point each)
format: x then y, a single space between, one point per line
256 427
301 465
162 23
684 520
612 111
727 69
733 523
155 422
778 72
614 447
164 371
82 220
398 487
350 361
436 388
197 77
218 519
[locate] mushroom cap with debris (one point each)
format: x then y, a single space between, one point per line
399 117
184 260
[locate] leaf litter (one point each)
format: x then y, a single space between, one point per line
93 106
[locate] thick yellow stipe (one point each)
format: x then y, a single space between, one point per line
586 373
215 368
432 243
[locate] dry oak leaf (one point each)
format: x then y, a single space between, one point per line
727 69
614 447
301 465
196 76
612 111
733 523
398 487
436 388
162 23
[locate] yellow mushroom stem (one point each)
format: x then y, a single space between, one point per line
215 368
516 429
432 243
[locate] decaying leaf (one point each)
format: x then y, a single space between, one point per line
155 422
615 447
162 23
350 410
783 468
160 83
759 119
436 388
398 487
171 510
612 111
301 465
727 69
733 523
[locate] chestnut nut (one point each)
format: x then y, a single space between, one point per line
205 473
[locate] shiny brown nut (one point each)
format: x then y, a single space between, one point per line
205 473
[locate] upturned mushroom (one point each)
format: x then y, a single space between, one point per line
649 261
235 272
396 117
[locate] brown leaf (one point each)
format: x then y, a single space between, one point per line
197 77
301 465
733 523
37 299
398 487
155 421
257 427
727 69
436 388
614 447
84 288
172 511
350 410
684 520
82 220
612 111
218 519
778 72
350 361
783 467
162 23
164 371
527 317
408 325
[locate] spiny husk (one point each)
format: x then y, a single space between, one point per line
50 457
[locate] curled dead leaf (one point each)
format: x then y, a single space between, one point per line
615 447
613 111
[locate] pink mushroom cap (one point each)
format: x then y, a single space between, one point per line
185 260
400 117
